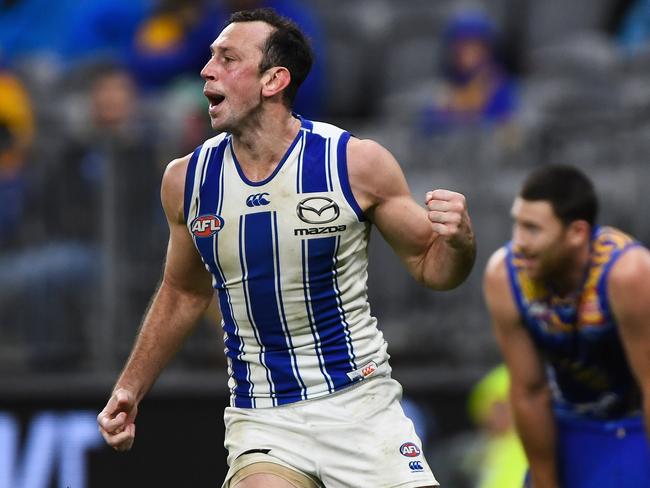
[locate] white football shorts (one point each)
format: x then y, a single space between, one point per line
356 438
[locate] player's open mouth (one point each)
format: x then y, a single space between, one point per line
215 99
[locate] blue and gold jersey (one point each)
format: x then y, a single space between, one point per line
577 334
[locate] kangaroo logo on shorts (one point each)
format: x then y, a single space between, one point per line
206 225
409 449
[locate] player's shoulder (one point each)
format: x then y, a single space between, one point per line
173 187
631 269
365 147
369 159
176 170
497 289
496 267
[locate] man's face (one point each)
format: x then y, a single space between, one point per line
113 100
469 55
233 82
541 237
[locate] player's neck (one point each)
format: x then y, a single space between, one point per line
573 277
261 146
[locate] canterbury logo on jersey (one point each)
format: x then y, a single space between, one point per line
318 210
206 225
416 466
363 372
257 200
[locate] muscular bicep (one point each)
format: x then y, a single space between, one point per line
629 294
184 268
524 362
381 189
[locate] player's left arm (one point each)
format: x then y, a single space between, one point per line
435 243
629 295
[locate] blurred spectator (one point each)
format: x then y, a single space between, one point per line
490 455
499 456
476 90
16 110
101 28
173 41
68 29
100 193
32 26
24 297
16 135
106 179
635 32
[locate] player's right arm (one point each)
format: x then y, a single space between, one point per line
529 391
184 293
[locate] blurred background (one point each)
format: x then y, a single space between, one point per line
96 97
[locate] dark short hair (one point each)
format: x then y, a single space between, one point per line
286 46
569 191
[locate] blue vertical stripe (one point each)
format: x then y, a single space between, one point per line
207 205
212 203
310 317
243 390
314 167
262 295
348 337
324 303
245 285
189 182
328 166
285 324
342 163
299 163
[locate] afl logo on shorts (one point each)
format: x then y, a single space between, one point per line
206 225
409 449
318 210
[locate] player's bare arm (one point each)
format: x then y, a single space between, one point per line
437 243
529 392
183 295
629 294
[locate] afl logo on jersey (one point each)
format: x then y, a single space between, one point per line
206 225
318 210
409 449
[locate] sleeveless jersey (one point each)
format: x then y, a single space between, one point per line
577 335
288 257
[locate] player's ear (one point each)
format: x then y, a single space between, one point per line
579 232
274 80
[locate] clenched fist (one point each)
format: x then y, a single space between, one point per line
116 421
449 217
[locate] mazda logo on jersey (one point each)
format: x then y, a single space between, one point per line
318 210
206 225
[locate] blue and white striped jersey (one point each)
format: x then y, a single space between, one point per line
288 257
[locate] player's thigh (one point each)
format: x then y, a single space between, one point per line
270 475
263 481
